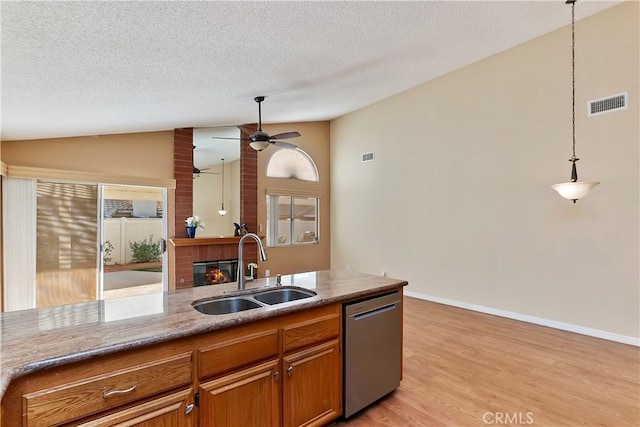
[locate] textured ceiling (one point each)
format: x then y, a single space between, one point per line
86 68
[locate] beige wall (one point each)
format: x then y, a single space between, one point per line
1 253
458 199
148 155
293 259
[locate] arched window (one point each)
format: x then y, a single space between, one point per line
292 164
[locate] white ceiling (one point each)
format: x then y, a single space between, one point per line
210 147
87 68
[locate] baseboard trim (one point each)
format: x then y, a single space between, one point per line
625 339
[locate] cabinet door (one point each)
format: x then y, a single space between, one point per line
250 397
174 410
312 385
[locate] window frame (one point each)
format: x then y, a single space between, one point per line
273 220
300 158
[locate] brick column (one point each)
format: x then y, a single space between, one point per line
183 174
249 190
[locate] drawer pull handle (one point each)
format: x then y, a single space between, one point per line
112 392
189 408
276 375
290 370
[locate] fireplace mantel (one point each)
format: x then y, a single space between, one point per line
208 241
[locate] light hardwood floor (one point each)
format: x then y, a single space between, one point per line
463 368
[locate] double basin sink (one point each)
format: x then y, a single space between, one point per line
256 299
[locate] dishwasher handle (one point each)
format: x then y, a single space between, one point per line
374 312
371 304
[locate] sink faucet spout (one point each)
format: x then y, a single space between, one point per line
263 256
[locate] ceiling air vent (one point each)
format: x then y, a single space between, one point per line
608 104
368 157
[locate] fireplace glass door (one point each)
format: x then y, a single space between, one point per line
215 272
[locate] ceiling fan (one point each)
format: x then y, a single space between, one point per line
197 171
261 140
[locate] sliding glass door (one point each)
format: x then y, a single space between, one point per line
133 241
66 243
72 242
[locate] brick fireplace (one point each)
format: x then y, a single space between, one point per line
187 251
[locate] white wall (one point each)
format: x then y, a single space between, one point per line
123 231
458 201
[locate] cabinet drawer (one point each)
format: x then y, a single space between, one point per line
163 411
311 332
91 395
237 353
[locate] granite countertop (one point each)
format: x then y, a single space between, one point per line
36 339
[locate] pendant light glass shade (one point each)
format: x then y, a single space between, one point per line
222 211
573 190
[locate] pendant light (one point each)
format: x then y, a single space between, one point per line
574 189
222 210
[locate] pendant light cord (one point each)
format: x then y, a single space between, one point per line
222 210
223 183
573 77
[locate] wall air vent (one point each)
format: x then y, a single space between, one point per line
368 157
608 104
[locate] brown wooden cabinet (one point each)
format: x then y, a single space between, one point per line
285 372
76 399
312 386
280 371
250 397
151 386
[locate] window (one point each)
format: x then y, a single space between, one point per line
292 164
292 220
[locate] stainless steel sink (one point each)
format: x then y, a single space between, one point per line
247 301
225 305
282 295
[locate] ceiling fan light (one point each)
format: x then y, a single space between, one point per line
574 190
259 145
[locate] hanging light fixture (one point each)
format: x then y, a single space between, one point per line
574 189
222 210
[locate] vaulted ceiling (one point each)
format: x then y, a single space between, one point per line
86 68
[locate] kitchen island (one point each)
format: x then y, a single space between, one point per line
158 352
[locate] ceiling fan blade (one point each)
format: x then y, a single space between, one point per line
226 137
286 135
283 144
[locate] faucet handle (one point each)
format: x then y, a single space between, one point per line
278 279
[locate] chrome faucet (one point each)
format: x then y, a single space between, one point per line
263 256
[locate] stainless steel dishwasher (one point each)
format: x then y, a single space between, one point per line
372 350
